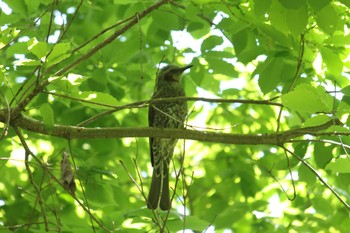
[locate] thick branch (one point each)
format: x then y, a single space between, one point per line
73 132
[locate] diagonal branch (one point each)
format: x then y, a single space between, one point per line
19 108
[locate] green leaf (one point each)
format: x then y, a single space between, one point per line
39 49
317 120
231 214
245 45
270 75
126 2
295 4
27 62
332 61
327 19
166 20
322 154
98 80
220 66
343 108
2 74
17 48
277 15
191 222
58 53
211 42
305 174
18 7
48 116
346 99
231 26
307 98
98 194
274 36
338 129
300 149
261 7
33 6
297 19
346 90
317 5
341 165
345 2
97 100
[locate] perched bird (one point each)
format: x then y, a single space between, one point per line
165 114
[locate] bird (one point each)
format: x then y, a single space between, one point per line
171 114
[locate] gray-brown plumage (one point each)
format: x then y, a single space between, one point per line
165 115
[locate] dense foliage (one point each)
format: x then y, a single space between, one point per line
266 147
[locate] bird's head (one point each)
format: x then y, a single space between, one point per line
171 73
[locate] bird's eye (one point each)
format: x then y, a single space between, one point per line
168 77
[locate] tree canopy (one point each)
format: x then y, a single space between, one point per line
266 144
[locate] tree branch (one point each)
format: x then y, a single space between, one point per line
18 109
74 132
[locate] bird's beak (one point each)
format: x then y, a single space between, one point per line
185 68
179 71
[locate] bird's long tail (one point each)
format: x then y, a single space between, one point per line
159 191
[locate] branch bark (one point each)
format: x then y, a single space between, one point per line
74 132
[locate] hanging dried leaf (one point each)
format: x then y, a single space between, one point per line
67 175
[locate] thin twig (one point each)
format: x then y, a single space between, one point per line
319 177
101 33
30 174
292 179
269 171
51 20
322 141
296 75
140 188
144 103
18 226
71 21
80 183
210 224
59 182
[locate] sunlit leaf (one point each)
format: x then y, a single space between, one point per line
27 62
341 165
318 4
38 48
59 53
97 100
345 2
327 19
297 19
211 42
317 120
307 98
292 4
261 7
332 61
